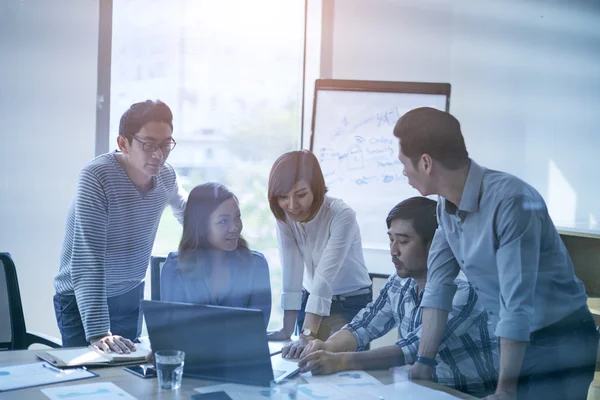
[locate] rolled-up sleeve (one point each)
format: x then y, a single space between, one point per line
292 268
518 223
375 320
409 345
343 229
442 270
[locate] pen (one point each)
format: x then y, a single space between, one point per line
53 368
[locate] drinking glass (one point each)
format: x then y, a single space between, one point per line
169 367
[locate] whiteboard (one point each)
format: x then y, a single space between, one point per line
352 137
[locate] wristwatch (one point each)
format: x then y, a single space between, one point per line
426 361
307 333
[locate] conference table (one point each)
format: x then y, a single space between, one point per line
148 388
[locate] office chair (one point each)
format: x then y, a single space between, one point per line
378 281
13 333
156 264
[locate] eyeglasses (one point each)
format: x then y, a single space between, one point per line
151 147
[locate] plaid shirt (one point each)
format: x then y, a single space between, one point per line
468 354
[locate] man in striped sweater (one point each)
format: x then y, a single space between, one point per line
111 227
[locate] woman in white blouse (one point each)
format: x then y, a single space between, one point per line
325 280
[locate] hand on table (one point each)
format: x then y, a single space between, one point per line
278 335
113 343
312 346
321 363
294 349
418 371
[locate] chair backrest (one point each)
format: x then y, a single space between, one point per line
5 322
13 334
156 264
378 281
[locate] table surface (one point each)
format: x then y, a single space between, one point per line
148 388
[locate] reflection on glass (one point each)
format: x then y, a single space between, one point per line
231 71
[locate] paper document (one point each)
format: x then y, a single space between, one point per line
410 390
35 374
92 391
341 385
345 378
404 390
239 392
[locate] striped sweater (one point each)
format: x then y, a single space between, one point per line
109 236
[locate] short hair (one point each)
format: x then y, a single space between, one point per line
430 131
421 211
202 201
139 114
290 168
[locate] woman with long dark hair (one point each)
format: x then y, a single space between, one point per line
214 265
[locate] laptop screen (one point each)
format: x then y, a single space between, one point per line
221 343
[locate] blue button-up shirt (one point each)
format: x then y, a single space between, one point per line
503 239
468 353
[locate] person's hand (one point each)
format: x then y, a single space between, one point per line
502 395
312 346
419 371
278 335
294 349
321 363
113 343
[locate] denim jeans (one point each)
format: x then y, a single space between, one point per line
124 313
560 359
342 312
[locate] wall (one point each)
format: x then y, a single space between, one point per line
48 75
525 83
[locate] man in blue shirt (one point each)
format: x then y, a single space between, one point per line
468 356
496 228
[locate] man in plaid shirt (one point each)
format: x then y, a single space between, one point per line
468 356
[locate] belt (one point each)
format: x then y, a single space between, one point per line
342 297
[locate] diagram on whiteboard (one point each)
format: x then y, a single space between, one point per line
362 152
354 142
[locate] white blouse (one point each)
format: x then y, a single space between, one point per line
324 255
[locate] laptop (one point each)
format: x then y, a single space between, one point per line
220 343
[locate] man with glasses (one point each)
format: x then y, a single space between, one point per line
110 232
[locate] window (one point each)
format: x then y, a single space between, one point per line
231 69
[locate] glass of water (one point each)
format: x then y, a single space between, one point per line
169 367
285 389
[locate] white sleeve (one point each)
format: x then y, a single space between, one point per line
292 267
343 229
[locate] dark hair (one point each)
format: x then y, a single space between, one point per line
139 114
290 168
202 201
421 211
430 131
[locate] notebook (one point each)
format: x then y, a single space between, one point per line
88 356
